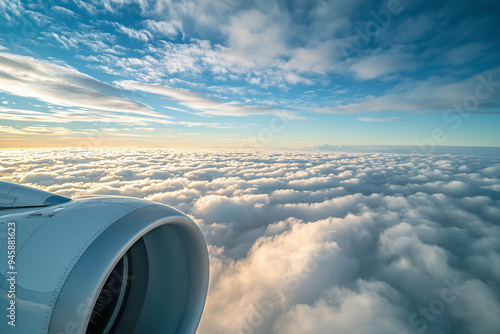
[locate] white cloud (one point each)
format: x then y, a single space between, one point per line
7 131
259 45
15 7
274 43
308 242
104 119
98 42
64 11
340 310
53 115
462 54
386 119
433 95
164 28
63 85
317 57
204 105
382 63
256 39
89 8
142 35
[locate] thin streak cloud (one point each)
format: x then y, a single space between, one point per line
64 86
386 119
204 105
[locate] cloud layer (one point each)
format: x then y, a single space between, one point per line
315 242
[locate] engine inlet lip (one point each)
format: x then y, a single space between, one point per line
73 302
109 306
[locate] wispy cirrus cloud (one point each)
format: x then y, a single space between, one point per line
64 86
384 119
104 119
68 115
381 64
33 130
139 34
95 41
204 105
64 11
164 28
79 97
481 92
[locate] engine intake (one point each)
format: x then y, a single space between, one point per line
100 265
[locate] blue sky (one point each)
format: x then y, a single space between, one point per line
233 73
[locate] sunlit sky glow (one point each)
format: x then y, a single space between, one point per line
233 73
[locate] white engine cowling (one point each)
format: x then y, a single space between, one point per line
98 265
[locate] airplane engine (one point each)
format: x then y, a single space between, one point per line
96 265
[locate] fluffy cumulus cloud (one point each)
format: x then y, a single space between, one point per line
315 242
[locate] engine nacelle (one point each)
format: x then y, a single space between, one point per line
97 265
